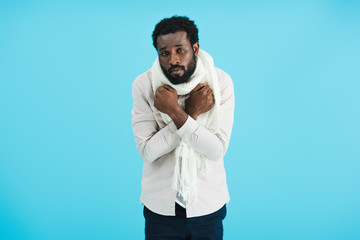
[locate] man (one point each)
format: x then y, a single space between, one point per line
182 117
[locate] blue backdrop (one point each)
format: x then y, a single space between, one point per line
69 168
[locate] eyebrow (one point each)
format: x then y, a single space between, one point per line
177 45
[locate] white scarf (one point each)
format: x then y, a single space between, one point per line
188 160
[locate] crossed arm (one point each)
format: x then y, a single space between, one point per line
200 101
153 141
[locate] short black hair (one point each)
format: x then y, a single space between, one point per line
173 25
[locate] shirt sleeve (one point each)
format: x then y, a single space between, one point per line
212 145
151 141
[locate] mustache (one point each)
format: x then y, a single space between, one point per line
174 67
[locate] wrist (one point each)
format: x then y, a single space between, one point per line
176 111
191 114
179 116
194 116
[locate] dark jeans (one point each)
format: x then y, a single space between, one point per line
207 227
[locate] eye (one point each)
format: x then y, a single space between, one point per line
180 50
164 53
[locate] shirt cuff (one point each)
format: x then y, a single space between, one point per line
172 127
189 129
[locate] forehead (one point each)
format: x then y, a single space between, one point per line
172 40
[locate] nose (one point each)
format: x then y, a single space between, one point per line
174 59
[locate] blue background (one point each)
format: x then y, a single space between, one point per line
69 168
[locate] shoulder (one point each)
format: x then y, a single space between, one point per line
143 79
224 79
142 84
221 73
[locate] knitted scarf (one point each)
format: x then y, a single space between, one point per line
187 159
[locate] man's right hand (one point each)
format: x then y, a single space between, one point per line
200 101
166 101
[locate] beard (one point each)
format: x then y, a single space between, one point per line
185 77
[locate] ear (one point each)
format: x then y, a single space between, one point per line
196 48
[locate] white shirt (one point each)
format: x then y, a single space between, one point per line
156 143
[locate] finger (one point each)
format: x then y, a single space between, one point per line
208 90
157 95
166 86
169 88
205 89
160 88
199 86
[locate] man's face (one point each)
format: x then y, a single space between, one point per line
177 56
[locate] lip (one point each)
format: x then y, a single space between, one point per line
176 71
